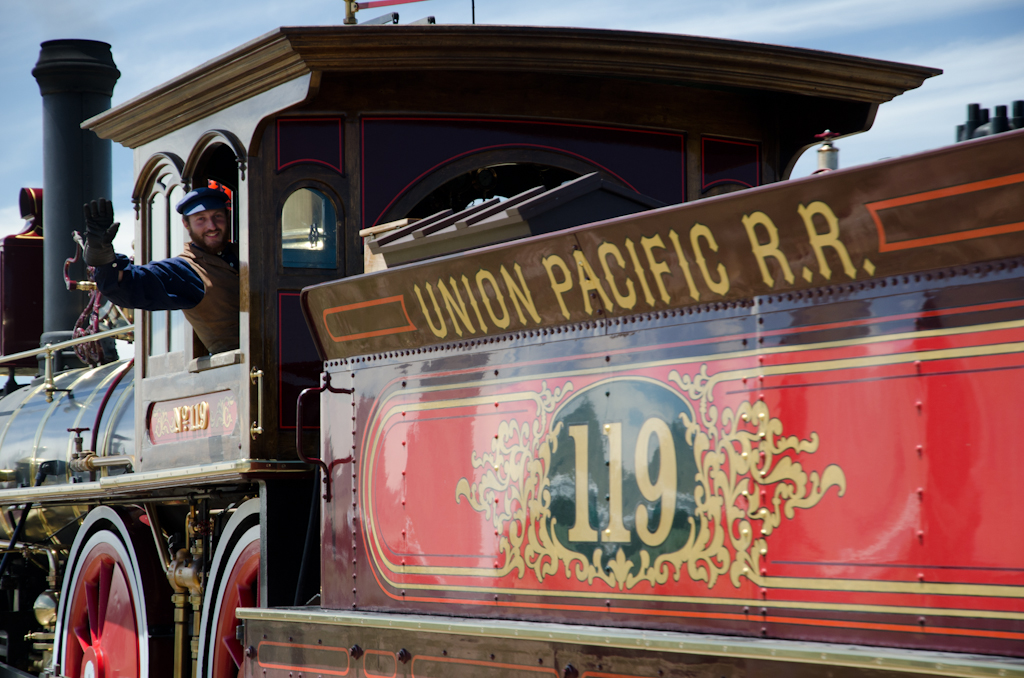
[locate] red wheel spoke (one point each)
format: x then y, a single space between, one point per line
234 649
240 589
120 639
92 608
103 634
245 595
82 633
103 580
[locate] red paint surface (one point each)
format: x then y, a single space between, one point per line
910 516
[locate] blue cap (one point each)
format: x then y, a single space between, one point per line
200 200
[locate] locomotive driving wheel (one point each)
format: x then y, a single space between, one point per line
113 597
233 582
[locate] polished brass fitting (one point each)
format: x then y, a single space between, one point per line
184 575
89 461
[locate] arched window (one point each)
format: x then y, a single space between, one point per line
165 237
309 230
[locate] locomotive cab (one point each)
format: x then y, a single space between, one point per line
185 392
317 154
226 411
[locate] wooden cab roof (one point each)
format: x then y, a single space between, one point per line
657 59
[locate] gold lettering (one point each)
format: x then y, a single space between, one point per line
659 269
641 276
663 490
589 282
439 332
504 320
819 241
628 300
721 286
203 415
616 531
559 288
456 311
191 417
582 531
684 264
472 301
768 249
520 294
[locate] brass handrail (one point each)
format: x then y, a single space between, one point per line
61 345
256 377
50 349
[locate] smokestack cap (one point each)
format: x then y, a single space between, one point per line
75 66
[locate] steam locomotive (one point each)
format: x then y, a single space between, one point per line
599 390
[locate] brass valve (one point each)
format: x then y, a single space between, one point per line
184 574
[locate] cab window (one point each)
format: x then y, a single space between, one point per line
309 226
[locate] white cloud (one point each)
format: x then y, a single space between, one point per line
756 20
765 21
11 221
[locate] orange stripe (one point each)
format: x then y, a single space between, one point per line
399 299
885 246
382 653
905 628
290 667
953 237
753 619
476 662
948 191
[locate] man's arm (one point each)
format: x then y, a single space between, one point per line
165 285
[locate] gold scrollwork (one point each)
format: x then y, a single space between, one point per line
514 484
226 415
162 423
738 455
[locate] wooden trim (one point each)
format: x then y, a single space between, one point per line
253 68
287 53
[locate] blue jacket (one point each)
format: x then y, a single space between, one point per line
166 285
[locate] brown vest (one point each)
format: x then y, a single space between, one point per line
215 318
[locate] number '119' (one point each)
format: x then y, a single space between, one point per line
664 489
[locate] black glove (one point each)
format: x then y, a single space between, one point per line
100 229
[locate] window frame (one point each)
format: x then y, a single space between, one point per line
161 185
340 214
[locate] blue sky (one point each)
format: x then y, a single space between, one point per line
979 45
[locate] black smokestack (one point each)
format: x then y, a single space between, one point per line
76 79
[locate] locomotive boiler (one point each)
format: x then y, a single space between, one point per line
546 367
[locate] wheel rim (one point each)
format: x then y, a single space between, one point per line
113 595
240 588
102 631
